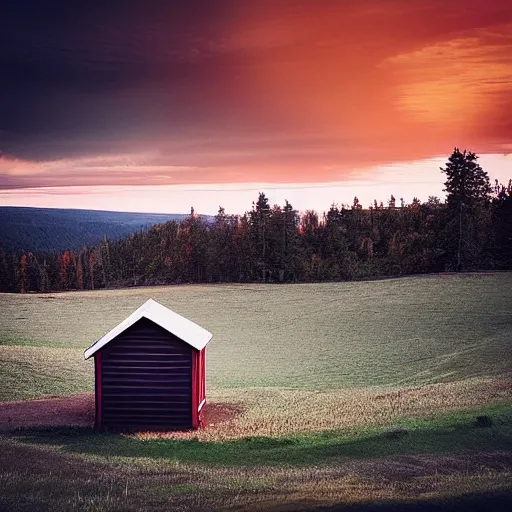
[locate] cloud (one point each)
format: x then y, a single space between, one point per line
419 178
105 170
176 166
211 92
455 82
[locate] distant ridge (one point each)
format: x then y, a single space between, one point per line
55 229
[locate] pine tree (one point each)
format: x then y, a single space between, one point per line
259 222
467 184
468 193
502 224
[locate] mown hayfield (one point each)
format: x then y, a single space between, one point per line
395 332
339 393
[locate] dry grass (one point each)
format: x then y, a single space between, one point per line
239 413
274 412
60 481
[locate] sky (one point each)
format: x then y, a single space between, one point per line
159 106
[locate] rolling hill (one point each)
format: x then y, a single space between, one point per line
53 229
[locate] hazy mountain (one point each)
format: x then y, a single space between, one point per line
50 229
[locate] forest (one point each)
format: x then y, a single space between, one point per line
470 230
58 229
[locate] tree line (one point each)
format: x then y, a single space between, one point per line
471 230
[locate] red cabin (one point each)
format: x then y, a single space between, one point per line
150 372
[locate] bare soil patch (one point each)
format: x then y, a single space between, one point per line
78 411
69 411
215 414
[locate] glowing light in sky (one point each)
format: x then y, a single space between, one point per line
358 97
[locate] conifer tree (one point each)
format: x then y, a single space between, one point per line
468 193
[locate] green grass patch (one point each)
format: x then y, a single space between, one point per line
449 433
183 489
12 340
324 336
36 372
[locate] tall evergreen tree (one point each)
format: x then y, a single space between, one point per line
468 194
5 278
502 225
259 218
466 182
291 224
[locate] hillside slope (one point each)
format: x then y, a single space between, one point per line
52 229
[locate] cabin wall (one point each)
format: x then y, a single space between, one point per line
202 384
98 424
201 379
198 386
146 380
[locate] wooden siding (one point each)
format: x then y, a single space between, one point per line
98 424
195 374
201 386
146 380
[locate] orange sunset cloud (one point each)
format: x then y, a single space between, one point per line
265 92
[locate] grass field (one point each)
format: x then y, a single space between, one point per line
312 336
321 377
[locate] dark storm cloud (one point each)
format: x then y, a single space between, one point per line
68 69
241 90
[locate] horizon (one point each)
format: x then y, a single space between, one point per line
207 198
205 104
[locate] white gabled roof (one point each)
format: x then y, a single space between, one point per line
184 329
